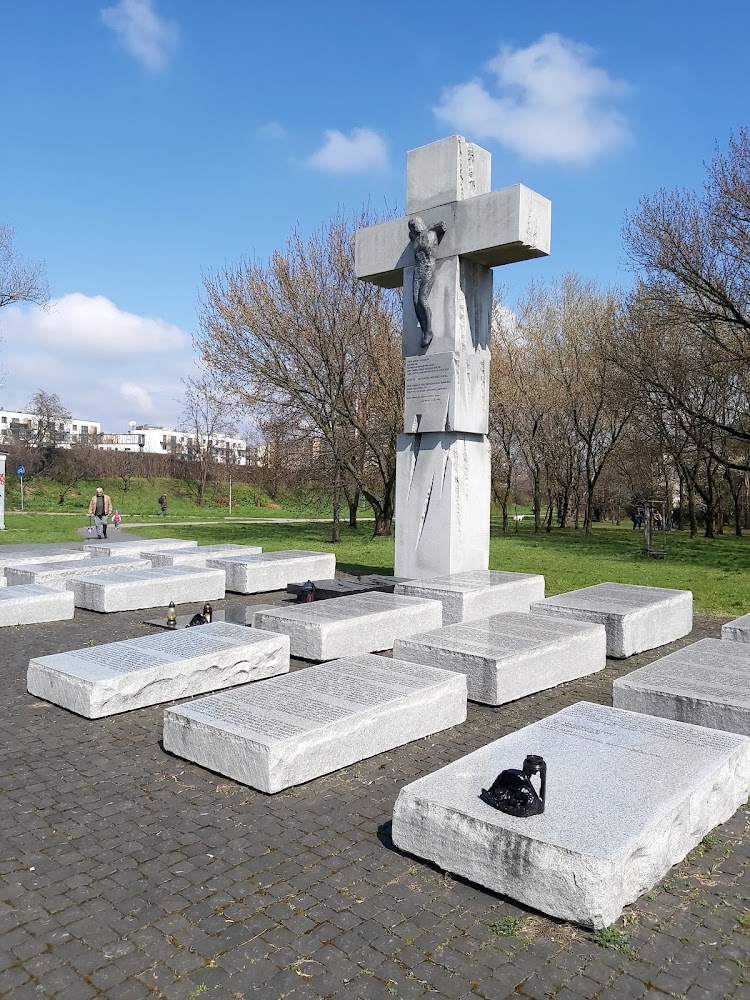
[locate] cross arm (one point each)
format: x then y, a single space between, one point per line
500 227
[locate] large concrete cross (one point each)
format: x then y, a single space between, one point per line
443 463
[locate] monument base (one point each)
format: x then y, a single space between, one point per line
478 594
443 504
628 796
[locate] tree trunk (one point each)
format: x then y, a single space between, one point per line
353 503
537 505
336 524
691 511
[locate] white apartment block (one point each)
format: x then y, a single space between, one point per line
166 441
18 427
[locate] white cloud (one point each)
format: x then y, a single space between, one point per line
81 324
550 102
362 150
145 35
272 130
105 363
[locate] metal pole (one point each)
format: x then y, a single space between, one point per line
21 492
230 492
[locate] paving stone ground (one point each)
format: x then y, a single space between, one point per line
127 873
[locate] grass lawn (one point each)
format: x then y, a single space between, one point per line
716 570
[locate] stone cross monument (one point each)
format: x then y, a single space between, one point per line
456 230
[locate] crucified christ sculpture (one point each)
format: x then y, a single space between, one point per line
424 241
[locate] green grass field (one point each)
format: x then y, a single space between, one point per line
716 570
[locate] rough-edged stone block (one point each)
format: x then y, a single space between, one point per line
360 623
66 558
120 676
636 618
248 574
737 630
628 796
108 548
512 655
292 729
199 556
30 604
61 575
443 504
478 594
706 683
148 588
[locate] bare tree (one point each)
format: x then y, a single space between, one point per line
50 415
693 253
206 413
19 280
302 337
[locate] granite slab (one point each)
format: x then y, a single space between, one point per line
292 729
478 593
61 575
199 556
31 604
65 558
628 796
511 655
120 676
636 618
148 588
274 570
109 548
737 630
360 623
706 683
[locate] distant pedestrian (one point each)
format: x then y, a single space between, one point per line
163 504
116 519
100 507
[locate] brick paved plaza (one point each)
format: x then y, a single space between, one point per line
127 873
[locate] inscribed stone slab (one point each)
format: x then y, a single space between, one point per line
511 655
120 676
247 574
636 618
737 630
30 604
138 545
199 556
13 561
706 683
148 588
628 796
478 593
446 392
344 626
295 728
443 504
60 575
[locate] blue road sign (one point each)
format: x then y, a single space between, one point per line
20 471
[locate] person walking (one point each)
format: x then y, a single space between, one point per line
163 504
100 507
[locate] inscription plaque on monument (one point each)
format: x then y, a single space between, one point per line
628 796
294 728
446 392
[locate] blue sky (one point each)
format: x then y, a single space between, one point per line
150 141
